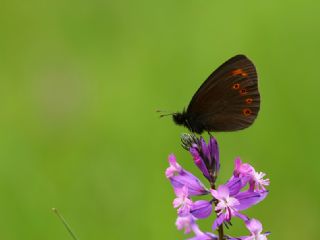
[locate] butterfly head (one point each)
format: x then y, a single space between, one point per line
180 118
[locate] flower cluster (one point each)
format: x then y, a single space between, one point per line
245 188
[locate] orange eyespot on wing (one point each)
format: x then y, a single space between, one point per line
249 100
236 86
243 91
247 112
239 72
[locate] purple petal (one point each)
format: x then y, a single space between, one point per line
174 167
235 184
240 215
214 193
242 169
237 163
194 185
258 182
201 209
185 222
205 150
184 210
182 192
214 152
223 191
180 178
254 226
219 220
248 198
199 162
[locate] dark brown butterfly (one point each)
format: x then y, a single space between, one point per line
228 100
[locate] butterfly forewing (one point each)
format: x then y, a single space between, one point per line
229 99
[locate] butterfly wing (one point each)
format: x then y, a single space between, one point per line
229 99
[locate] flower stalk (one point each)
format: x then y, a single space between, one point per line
220 231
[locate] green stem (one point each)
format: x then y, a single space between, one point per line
220 229
64 223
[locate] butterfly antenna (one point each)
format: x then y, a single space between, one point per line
164 113
167 114
64 223
160 111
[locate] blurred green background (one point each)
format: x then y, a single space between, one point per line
80 83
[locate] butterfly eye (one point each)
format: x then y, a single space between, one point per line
243 91
249 100
236 86
239 72
247 112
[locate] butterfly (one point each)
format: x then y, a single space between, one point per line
228 100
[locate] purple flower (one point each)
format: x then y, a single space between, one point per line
244 189
255 228
258 183
182 201
174 169
188 223
185 222
226 207
247 173
242 169
205 156
180 178
229 205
